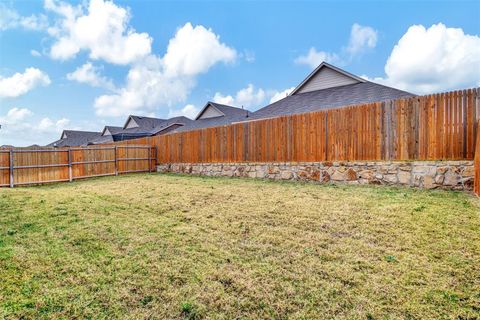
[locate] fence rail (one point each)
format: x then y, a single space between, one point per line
24 167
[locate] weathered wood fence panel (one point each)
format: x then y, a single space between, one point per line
28 166
433 127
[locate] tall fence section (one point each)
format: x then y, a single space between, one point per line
24 167
434 127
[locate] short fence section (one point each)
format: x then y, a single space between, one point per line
23 167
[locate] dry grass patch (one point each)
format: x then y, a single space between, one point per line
162 246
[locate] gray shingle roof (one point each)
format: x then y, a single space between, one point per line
75 138
227 110
101 139
147 122
106 138
231 114
180 120
330 98
113 129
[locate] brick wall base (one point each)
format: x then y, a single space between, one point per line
454 175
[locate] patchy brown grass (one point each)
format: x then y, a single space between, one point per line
162 246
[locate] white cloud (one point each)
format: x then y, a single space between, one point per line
361 38
15 115
278 95
248 97
103 31
10 19
48 125
194 50
189 111
313 58
434 59
17 121
90 74
35 53
147 88
166 81
249 56
222 99
251 98
21 83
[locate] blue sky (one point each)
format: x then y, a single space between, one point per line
62 66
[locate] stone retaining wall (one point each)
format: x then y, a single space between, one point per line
455 175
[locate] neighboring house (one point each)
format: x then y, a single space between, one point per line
137 127
72 138
216 114
328 87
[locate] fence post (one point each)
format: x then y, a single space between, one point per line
70 178
116 168
11 168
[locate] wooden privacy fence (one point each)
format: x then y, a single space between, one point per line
476 179
432 127
23 167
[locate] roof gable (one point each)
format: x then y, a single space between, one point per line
130 123
326 76
109 130
209 111
145 123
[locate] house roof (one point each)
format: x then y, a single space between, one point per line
180 121
230 115
362 92
223 109
144 122
111 129
101 139
72 138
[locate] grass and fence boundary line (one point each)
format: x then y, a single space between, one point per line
34 166
440 126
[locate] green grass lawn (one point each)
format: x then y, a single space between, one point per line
164 246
